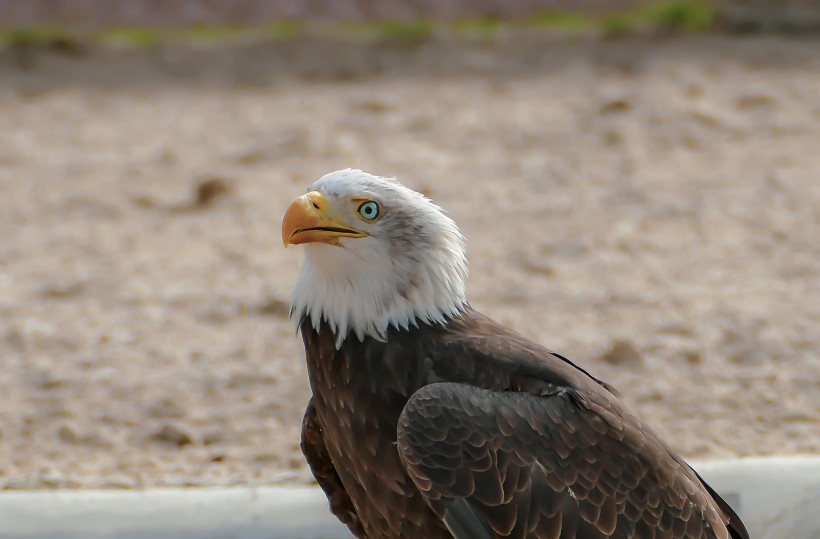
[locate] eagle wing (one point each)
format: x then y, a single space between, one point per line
313 447
552 455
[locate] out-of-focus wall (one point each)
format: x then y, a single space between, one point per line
770 14
186 12
733 14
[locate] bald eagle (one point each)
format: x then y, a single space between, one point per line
428 420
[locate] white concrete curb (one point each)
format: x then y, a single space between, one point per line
778 498
174 513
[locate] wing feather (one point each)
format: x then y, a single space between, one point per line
313 447
562 467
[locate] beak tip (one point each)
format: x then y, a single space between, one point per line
295 217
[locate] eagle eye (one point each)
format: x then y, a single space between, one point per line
368 210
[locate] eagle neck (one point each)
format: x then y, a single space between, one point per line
357 298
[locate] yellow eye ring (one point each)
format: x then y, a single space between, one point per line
369 211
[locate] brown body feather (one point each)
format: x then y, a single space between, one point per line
470 431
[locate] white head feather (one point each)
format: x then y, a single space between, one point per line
410 268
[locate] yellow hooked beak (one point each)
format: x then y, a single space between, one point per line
309 219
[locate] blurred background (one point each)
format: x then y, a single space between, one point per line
637 182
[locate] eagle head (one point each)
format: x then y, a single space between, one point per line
377 254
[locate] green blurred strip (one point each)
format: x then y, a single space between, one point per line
676 15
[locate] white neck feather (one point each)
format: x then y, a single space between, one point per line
367 286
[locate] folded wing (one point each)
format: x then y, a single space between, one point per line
557 465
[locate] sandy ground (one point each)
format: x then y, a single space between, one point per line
650 208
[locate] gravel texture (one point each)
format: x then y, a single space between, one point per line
648 207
